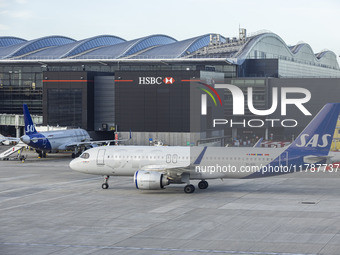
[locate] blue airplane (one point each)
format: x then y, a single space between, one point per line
76 140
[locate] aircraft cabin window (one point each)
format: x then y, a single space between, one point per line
85 155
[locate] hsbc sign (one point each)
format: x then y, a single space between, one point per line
155 80
169 80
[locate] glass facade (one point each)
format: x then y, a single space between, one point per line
18 85
64 107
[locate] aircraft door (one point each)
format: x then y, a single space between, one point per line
168 158
100 157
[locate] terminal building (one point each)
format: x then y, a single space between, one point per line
153 85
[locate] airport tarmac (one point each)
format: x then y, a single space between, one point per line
46 208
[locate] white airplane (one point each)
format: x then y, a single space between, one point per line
54 141
156 167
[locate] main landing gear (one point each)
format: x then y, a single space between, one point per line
191 188
105 185
42 154
203 184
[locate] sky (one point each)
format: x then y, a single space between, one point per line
311 21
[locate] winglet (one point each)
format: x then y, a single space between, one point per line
258 143
29 126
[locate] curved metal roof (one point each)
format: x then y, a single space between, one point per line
177 49
75 48
264 45
127 48
10 40
271 45
33 45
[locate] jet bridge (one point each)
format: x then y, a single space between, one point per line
17 121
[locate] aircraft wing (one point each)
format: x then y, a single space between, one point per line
11 139
78 144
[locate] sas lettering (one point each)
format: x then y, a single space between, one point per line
29 129
314 141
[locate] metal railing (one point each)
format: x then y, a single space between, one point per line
17 120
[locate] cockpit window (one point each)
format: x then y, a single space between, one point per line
85 155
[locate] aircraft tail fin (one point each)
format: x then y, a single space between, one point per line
29 126
316 138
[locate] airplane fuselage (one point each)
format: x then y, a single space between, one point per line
200 162
53 141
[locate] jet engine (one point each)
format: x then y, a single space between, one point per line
150 180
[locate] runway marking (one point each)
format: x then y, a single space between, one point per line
151 249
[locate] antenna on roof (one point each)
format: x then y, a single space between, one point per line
242 34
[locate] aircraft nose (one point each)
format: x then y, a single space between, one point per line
76 165
26 139
73 164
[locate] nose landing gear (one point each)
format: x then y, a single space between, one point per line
105 185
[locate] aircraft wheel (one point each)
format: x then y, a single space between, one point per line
189 188
203 184
105 186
